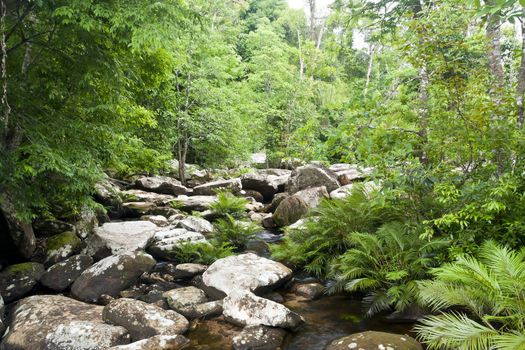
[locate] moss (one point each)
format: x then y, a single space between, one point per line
58 241
23 267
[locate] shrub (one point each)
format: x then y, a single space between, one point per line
234 233
229 204
490 292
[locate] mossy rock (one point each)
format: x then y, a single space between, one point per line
61 247
290 210
374 341
18 280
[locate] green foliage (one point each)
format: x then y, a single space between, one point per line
233 233
387 266
201 253
228 204
490 288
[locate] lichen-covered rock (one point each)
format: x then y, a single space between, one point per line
149 197
290 210
158 220
166 243
246 272
259 338
16 281
309 291
182 299
246 309
208 189
312 175
120 237
375 340
313 196
52 322
144 320
196 224
204 310
158 342
188 270
61 246
61 275
161 184
345 191
111 275
194 203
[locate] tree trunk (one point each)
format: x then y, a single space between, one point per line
301 61
520 89
370 65
494 54
312 6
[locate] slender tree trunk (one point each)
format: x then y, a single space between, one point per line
301 61
494 54
320 35
520 89
371 50
312 5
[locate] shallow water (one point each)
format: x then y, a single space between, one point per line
326 319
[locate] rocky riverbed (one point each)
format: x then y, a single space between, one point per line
112 282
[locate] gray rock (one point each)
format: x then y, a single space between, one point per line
342 192
195 203
111 275
246 309
161 184
196 224
120 237
148 197
158 342
86 222
290 210
264 183
259 338
257 196
158 220
52 322
137 209
61 246
188 270
166 243
277 199
309 291
16 281
61 275
204 310
208 189
181 299
246 272
313 196
375 340
312 175
144 320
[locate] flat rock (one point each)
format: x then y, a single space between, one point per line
259 338
111 275
211 188
120 237
144 320
52 322
137 209
264 183
196 224
161 184
375 340
158 342
246 272
195 203
61 275
246 309
312 175
149 197
16 281
158 220
166 243
204 310
182 298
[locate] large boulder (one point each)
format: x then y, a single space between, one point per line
248 272
259 338
109 195
166 243
18 280
312 175
313 196
61 246
86 222
61 275
111 275
246 309
265 183
20 232
161 184
194 203
290 210
158 342
120 237
196 224
52 322
208 189
144 320
375 340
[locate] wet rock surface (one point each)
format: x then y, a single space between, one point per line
158 342
375 340
259 338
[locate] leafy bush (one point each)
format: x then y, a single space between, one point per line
490 288
387 265
229 204
201 253
316 246
234 233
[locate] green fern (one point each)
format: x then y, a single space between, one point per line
491 288
229 204
234 233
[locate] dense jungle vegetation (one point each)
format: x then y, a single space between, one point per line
433 101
